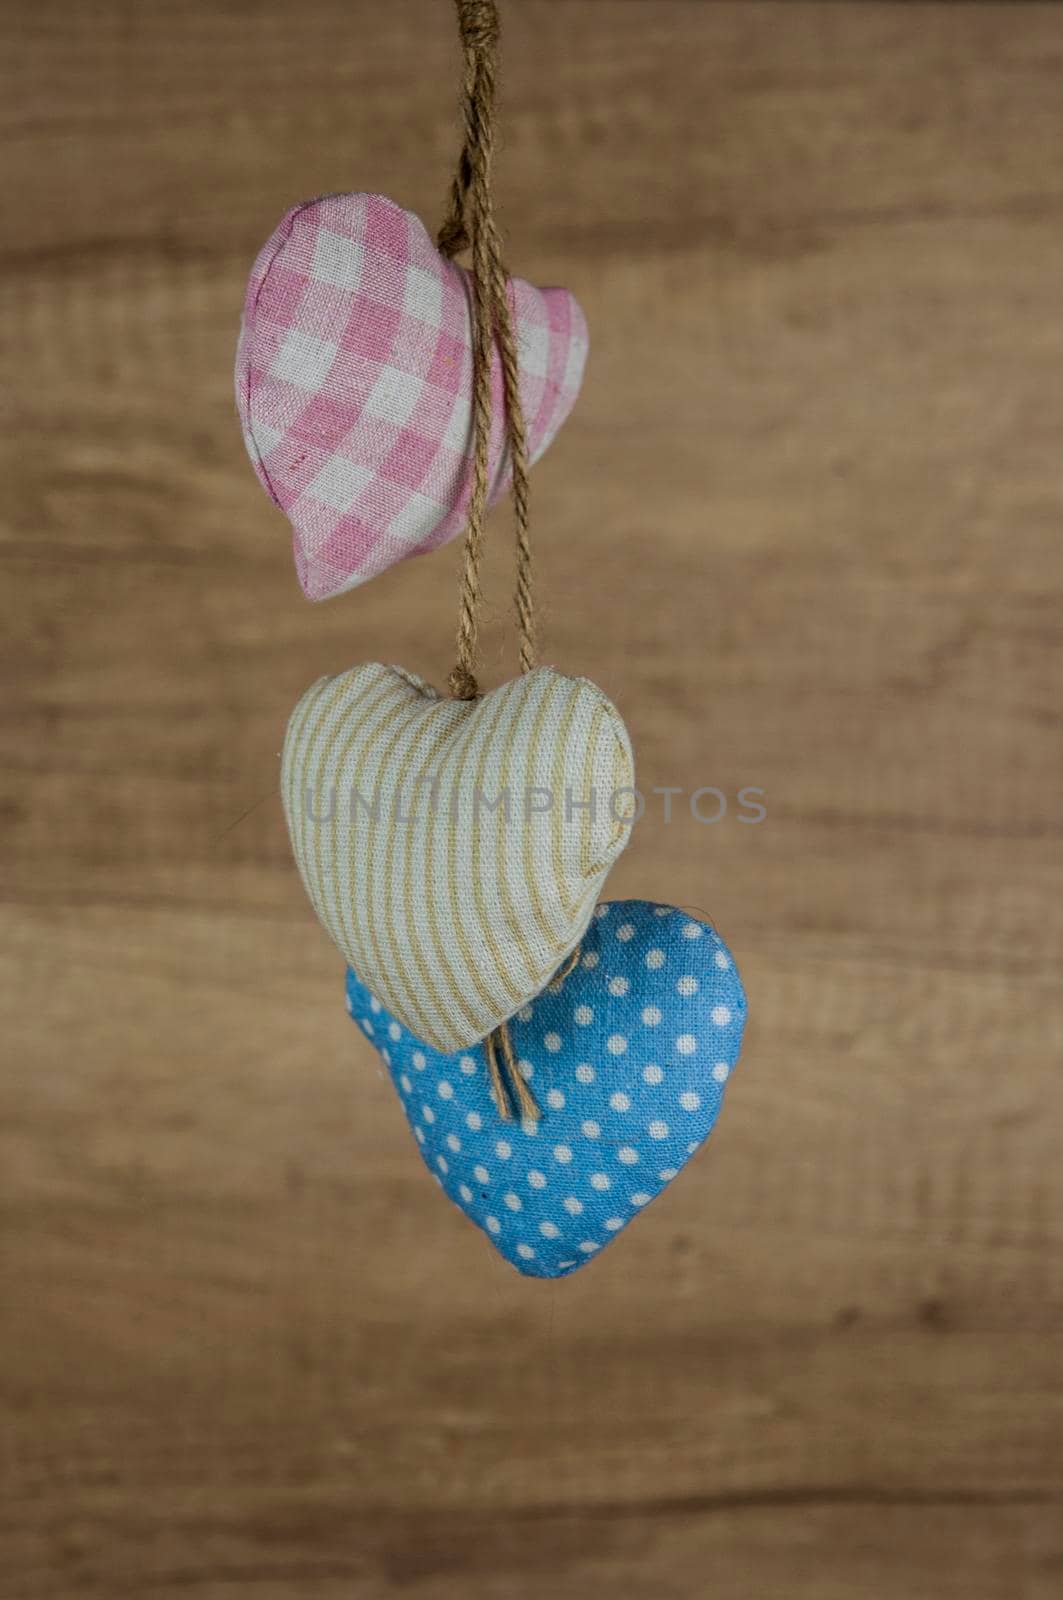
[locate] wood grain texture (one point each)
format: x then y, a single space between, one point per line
804 527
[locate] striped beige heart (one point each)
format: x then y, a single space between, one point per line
454 850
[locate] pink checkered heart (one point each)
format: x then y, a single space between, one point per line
354 385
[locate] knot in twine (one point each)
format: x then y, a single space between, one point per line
478 21
462 684
470 224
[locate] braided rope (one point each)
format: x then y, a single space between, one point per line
469 223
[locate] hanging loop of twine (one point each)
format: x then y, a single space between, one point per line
470 224
506 1077
508 1083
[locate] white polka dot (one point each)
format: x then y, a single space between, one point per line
584 1015
368 1027
562 1264
445 1090
600 1180
453 1142
418 1060
590 960
525 1013
641 1198
613 1223
441 1163
691 1147
722 960
590 1130
552 1041
572 1205
549 1230
690 1101
627 1155
481 1174
584 1072
652 1074
529 1127
555 1099
721 1015
686 1044
474 1121
618 987
662 911
503 1149
492 1225
562 1153
467 1065
387 1056
721 1071
651 1016
419 1135
620 1101
616 1044
625 932
654 959
537 1179
601 912
692 930
588 1246
407 1086
666 1174
428 1114
658 1129
465 1192
513 1201
374 1003
526 1070
687 986
525 1252
394 1031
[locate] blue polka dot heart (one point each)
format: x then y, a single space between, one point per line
627 1057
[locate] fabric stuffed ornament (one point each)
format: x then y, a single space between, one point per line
627 1055
354 385
455 849
558 1060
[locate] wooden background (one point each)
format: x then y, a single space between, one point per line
804 526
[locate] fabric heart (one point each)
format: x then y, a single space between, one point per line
627 1058
354 385
455 849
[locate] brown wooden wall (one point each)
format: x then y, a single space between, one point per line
804 525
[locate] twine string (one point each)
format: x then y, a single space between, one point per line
557 983
508 1084
470 224
507 1081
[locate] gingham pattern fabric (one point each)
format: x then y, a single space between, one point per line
354 385
627 1059
454 850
